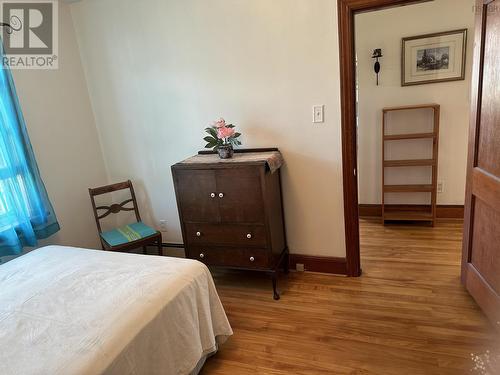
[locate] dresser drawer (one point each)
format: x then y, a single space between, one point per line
225 234
229 256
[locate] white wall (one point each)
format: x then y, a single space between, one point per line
384 29
159 71
62 130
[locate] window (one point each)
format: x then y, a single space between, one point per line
26 214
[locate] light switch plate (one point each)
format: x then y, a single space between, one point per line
318 113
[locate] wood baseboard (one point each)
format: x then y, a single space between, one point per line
450 211
370 210
333 265
443 211
319 264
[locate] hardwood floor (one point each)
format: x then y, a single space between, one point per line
407 314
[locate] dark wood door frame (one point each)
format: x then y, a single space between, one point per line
346 11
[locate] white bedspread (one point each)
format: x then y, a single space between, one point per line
71 311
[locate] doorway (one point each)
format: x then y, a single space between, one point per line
348 11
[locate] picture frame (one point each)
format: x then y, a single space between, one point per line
433 58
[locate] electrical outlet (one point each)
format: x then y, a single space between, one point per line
299 267
440 187
163 225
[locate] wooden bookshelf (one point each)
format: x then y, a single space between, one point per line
409 214
396 137
409 163
407 188
410 107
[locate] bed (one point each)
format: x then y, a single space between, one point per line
66 310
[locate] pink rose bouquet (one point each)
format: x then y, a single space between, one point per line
221 134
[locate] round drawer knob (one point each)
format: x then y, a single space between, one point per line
221 195
252 259
212 195
198 234
249 236
202 255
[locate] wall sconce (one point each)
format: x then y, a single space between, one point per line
377 53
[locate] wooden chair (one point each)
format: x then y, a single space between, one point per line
128 237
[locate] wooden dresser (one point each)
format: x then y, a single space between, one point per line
231 211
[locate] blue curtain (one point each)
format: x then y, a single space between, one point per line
26 214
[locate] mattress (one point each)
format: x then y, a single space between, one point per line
66 310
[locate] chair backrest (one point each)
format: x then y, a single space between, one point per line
116 207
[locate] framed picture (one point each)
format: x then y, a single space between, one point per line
431 58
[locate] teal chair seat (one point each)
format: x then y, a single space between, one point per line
127 233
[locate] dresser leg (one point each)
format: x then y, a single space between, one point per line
274 277
286 263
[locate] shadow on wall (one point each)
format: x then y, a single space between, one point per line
144 203
309 195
